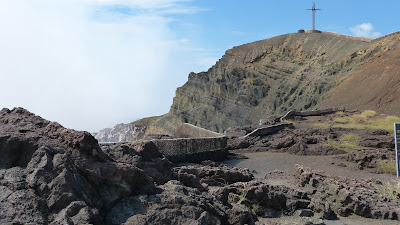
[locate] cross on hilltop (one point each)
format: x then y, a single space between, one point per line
313 15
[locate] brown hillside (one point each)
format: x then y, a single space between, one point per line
374 84
266 77
296 71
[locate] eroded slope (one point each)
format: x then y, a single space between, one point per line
267 77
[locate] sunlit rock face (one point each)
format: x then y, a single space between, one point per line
288 72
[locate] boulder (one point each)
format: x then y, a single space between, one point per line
50 174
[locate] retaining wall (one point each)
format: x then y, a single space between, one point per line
193 149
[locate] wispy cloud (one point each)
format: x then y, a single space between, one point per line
89 63
365 30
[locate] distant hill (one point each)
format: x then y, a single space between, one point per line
292 71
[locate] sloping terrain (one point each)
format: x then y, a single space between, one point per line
289 72
373 85
267 77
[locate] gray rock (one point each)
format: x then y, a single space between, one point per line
53 175
176 204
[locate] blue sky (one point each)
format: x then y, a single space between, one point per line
90 64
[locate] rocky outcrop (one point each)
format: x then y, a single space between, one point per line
370 158
293 113
178 204
53 175
346 196
213 174
310 193
306 141
50 174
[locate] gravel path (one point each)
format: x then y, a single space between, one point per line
264 162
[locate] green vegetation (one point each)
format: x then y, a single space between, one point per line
368 113
387 166
388 190
350 138
344 120
340 113
398 187
238 198
321 125
364 121
242 196
256 208
347 142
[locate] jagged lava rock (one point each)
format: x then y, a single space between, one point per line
53 175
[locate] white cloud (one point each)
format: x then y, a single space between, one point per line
365 30
66 62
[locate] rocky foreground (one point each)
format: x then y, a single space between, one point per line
53 175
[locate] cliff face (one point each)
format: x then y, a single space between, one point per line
120 133
292 71
267 77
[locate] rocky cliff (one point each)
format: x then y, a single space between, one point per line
121 133
292 71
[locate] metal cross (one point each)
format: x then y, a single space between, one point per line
313 15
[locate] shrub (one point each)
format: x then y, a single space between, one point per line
344 120
242 196
387 189
385 123
387 166
350 137
345 144
369 113
339 113
360 117
362 121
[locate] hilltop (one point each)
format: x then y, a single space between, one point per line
297 71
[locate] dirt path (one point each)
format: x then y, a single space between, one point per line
264 162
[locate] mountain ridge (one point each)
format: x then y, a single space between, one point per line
296 71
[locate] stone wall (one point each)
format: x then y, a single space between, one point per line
191 131
193 149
